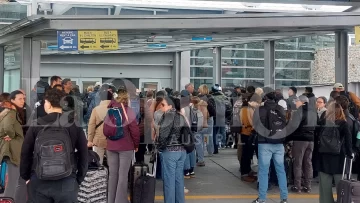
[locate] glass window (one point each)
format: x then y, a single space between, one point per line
254 54
201 72
254 63
198 82
233 62
285 55
233 72
292 74
201 62
232 53
288 83
293 64
255 45
244 83
12 69
202 53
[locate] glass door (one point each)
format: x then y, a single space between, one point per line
84 83
149 84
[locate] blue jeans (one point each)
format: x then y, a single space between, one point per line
219 135
199 146
209 135
266 153
190 161
173 176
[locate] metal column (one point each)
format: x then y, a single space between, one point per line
217 65
269 64
185 69
176 71
2 68
30 65
341 58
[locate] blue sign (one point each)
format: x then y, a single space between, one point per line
157 45
67 40
202 38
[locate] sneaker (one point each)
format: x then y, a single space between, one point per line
192 174
284 201
248 179
306 189
201 164
186 190
187 176
259 201
295 189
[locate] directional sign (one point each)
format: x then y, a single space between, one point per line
201 38
357 34
98 40
157 45
67 40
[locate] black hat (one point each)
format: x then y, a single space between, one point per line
293 89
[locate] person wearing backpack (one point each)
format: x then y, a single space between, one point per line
49 164
354 104
270 124
123 138
335 143
211 108
301 129
96 138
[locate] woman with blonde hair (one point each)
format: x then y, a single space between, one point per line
120 152
211 109
331 164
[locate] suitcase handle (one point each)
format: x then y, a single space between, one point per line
153 174
350 169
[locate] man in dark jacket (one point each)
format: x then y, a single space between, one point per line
312 99
270 146
65 189
303 123
292 96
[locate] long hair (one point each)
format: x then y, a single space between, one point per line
335 112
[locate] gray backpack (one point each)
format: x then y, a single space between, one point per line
197 119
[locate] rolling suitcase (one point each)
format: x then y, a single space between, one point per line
137 170
94 188
348 190
144 187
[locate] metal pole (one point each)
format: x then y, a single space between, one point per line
176 71
217 65
269 64
341 58
25 69
2 68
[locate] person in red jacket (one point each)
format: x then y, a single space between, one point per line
120 152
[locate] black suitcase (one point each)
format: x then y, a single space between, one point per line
144 187
137 170
348 190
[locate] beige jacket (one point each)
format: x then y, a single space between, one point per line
98 114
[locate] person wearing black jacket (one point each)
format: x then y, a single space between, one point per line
331 165
312 99
270 147
303 123
64 190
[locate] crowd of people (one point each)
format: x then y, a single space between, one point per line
179 126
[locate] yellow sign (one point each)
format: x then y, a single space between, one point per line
357 34
98 40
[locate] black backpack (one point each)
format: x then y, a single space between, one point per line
276 122
330 139
53 152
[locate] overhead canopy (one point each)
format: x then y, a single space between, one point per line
177 32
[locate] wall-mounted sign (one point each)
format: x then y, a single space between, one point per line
67 40
88 40
98 40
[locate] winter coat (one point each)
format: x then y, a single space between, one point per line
10 126
96 135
